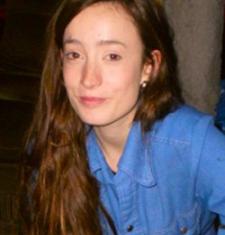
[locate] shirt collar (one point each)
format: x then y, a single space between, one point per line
96 160
135 161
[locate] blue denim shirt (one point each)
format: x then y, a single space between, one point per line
170 180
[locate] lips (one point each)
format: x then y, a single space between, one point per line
91 101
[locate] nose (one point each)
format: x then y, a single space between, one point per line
91 76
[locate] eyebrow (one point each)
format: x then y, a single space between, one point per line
71 41
99 43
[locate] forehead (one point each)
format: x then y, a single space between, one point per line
102 21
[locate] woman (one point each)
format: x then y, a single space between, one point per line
113 148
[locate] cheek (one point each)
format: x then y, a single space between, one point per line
69 77
125 80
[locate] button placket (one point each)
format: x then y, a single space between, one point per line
183 230
126 194
130 228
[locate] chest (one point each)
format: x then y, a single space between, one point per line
138 210
169 206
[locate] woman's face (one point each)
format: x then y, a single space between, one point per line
102 65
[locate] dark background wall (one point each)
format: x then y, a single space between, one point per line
22 42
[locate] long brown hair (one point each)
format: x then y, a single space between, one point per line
64 195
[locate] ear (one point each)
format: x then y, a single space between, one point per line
152 66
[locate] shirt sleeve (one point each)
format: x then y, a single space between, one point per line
211 173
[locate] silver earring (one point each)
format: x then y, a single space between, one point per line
144 84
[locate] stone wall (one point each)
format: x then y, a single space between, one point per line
198 26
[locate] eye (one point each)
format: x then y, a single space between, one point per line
72 55
113 57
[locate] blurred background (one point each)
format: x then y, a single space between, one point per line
22 46
22 42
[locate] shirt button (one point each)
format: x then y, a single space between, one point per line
183 230
130 228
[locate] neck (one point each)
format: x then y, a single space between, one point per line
112 139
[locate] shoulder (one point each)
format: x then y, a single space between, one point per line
182 124
190 134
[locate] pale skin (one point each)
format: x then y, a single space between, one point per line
103 70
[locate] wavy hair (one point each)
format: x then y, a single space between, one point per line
64 196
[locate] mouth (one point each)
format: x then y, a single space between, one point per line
90 101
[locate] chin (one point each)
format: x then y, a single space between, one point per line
93 121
